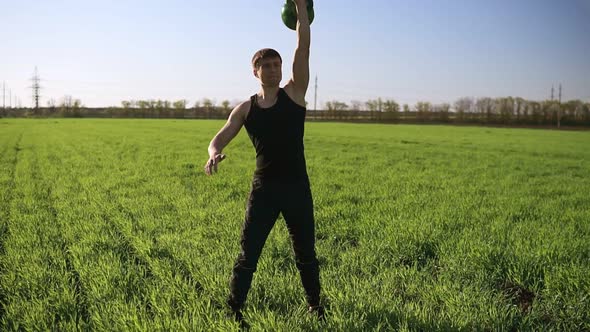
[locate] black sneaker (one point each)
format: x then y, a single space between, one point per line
237 316
317 311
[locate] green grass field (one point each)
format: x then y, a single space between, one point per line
113 225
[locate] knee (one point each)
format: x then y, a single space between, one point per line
305 254
245 263
307 263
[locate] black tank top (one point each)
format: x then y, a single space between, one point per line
277 135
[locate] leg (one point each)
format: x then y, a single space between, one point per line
261 215
298 214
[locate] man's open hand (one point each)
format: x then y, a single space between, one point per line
211 165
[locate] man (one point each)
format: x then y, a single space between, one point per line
274 119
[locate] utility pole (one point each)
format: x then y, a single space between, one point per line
315 97
552 92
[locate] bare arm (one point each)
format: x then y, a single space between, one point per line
300 80
225 135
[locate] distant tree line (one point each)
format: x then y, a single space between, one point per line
485 110
466 110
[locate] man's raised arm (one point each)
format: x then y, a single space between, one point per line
300 79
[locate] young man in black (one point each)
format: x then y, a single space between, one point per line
274 119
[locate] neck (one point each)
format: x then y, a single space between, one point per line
268 92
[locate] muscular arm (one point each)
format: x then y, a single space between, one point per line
300 80
225 135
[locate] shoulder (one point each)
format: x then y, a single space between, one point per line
297 95
241 110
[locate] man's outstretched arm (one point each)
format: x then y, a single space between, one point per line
300 79
224 136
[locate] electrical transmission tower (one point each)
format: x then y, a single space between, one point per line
315 97
36 88
559 109
3 99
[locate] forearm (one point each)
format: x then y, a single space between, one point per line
229 130
218 143
303 30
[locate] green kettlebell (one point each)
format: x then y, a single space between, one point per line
289 13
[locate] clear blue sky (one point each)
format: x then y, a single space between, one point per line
106 51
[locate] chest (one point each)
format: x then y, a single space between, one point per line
276 124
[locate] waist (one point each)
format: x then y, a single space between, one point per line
281 169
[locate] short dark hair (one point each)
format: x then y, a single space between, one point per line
264 53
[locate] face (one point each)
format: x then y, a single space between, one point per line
269 71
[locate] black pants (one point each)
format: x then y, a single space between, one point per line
267 199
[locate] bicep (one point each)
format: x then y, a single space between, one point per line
234 123
301 69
